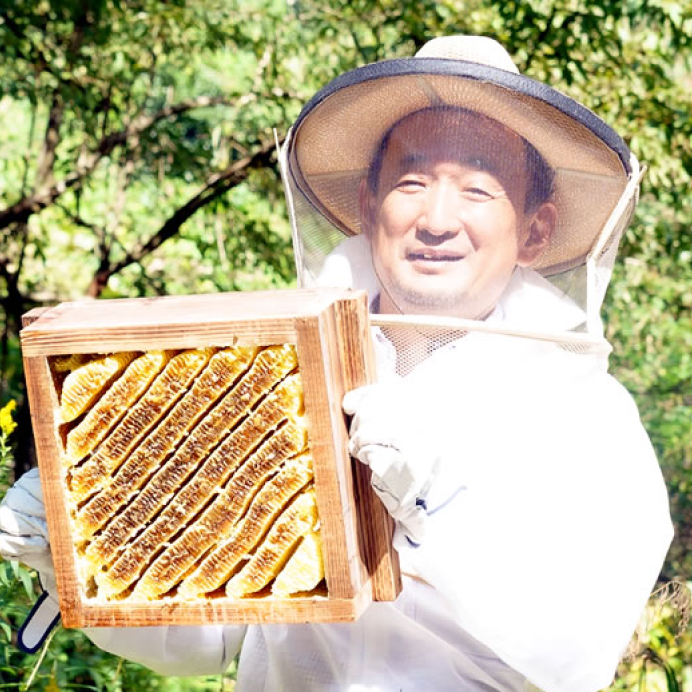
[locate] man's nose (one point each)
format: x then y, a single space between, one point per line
442 213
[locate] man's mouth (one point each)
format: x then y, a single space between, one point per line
433 256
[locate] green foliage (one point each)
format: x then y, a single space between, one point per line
87 75
69 660
660 656
651 324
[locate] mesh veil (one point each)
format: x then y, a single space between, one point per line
329 153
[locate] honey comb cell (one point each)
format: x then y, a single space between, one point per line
169 454
220 563
296 521
304 569
113 405
86 381
97 469
223 370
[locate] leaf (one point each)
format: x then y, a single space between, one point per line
27 582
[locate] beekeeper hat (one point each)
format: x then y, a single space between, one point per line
335 137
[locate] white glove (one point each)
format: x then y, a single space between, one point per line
24 537
23 529
389 434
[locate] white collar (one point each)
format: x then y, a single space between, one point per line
531 302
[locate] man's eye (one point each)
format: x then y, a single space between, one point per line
410 184
478 194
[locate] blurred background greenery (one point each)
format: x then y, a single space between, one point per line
137 158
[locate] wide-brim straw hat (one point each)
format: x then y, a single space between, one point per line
333 141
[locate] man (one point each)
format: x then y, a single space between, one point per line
531 517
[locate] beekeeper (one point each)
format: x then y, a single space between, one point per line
481 211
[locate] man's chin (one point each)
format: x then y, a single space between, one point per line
438 302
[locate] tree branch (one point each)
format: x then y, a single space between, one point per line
50 141
39 200
215 186
13 300
77 220
27 153
542 36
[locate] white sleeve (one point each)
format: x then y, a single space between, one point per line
173 650
549 552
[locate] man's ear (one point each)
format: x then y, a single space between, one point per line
541 225
367 208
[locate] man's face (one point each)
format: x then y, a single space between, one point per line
447 223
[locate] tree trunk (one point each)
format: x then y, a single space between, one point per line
99 281
15 305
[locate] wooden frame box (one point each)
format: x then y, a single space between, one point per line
329 331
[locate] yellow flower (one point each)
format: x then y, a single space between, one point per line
52 685
7 425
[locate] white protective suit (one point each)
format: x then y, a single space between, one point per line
547 522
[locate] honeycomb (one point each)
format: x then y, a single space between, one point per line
113 405
85 382
96 470
221 561
295 521
188 474
304 569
